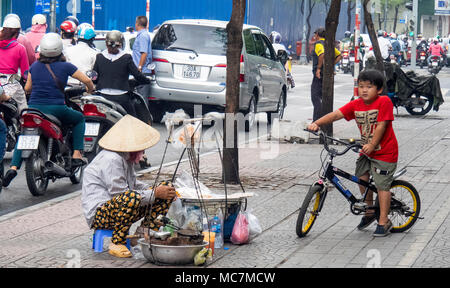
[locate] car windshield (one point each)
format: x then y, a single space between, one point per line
191 38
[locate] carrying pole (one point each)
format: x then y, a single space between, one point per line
356 46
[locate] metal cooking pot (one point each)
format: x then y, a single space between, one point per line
173 255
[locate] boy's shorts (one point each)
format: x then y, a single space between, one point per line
381 171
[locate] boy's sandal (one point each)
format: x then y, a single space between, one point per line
119 250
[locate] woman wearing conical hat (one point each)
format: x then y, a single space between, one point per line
112 197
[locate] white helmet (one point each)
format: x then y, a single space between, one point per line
11 22
38 19
51 45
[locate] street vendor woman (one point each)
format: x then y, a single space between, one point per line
112 197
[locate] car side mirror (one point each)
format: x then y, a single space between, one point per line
282 55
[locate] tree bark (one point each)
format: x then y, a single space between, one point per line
395 18
234 48
373 36
331 24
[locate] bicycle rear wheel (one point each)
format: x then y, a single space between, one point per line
405 206
309 211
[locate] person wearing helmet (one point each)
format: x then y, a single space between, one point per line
435 50
13 56
73 19
83 54
22 39
47 96
38 29
384 44
113 67
68 29
396 47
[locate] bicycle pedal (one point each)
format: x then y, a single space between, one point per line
361 206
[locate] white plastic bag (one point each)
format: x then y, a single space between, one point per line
183 136
254 228
177 213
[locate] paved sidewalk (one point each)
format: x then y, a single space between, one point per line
55 234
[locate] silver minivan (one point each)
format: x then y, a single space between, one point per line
190 68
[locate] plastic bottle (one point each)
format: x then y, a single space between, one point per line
205 224
216 226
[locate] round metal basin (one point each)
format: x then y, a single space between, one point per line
172 255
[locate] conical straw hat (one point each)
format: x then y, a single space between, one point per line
129 135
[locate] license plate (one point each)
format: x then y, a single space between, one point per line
434 64
422 57
91 129
28 142
191 71
345 61
352 58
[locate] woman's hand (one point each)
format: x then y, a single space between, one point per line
165 192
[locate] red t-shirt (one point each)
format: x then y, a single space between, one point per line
366 117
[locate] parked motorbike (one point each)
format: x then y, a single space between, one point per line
435 65
47 150
415 103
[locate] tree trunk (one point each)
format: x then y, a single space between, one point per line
234 49
373 36
395 19
308 22
350 8
331 24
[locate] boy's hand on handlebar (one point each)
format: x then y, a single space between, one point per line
368 148
313 127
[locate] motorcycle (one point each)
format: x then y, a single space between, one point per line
9 112
422 58
47 150
101 114
345 62
415 103
435 65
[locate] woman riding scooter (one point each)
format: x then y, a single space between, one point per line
113 67
46 81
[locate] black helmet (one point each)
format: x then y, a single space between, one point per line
114 38
347 34
380 33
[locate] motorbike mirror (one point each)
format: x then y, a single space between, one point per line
92 74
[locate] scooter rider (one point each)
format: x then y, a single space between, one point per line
396 47
68 29
48 97
113 67
83 54
435 50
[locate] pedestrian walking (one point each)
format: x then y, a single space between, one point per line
318 58
142 53
379 155
13 56
112 197
38 29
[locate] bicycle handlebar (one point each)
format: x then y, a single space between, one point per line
335 152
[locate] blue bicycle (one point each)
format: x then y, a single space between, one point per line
405 200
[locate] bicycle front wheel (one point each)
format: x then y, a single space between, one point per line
309 211
405 206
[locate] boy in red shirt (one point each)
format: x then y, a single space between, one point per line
373 115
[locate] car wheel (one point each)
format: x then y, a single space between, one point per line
250 118
279 113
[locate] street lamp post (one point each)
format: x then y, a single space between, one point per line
53 16
303 59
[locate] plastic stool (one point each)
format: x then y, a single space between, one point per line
99 236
